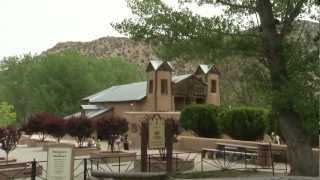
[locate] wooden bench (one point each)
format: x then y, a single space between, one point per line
212 153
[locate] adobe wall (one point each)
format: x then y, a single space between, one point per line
213 98
188 143
164 101
135 118
150 99
119 108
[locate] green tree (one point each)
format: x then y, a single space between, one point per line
202 119
259 29
56 82
7 115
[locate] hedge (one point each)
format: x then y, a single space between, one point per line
244 123
202 119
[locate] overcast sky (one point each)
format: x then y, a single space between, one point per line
32 26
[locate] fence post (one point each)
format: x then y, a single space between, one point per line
85 170
202 152
34 169
119 161
270 147
245 159
224 157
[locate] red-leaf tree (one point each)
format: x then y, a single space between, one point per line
111 128
35 124
55 127
80 128
9 138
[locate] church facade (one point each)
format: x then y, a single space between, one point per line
161 92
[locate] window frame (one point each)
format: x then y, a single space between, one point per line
213 88
164 86
150 86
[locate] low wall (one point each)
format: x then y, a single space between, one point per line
135 118
189 143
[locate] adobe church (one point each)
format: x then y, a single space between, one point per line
161 92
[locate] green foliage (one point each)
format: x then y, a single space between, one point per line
7 114
202 119
244 123
56 82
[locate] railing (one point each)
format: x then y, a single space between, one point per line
219 159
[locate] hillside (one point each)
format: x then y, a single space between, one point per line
138 52
135 52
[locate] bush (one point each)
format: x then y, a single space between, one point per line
111 128
244 123
35 124
202 119
80 128
55 127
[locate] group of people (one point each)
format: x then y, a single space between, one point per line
120 140
275 138
91 142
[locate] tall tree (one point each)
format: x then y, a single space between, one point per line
56 82
7 114
258 29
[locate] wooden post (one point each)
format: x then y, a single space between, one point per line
144 146
169 144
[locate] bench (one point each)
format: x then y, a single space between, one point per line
212 153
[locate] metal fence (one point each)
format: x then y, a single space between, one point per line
273 162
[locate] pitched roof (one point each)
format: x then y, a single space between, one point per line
156 64
205 68
90 113
176 79
127 92
91 107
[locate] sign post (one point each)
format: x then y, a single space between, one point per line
156 133
60 163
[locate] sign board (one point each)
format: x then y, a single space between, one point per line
156 133
60 163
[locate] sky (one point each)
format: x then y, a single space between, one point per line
32 26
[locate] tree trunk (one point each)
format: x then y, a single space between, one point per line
303 162
301 159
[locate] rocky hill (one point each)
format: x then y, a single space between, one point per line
138 52
135 52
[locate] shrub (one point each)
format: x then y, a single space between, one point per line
80 128
244 123
202 119
111 128
55 127
35 124
9 138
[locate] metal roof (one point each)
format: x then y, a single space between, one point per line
176 79
91 107
127 92
205 68
157 63
90 113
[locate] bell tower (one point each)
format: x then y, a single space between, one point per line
213 81
159 90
